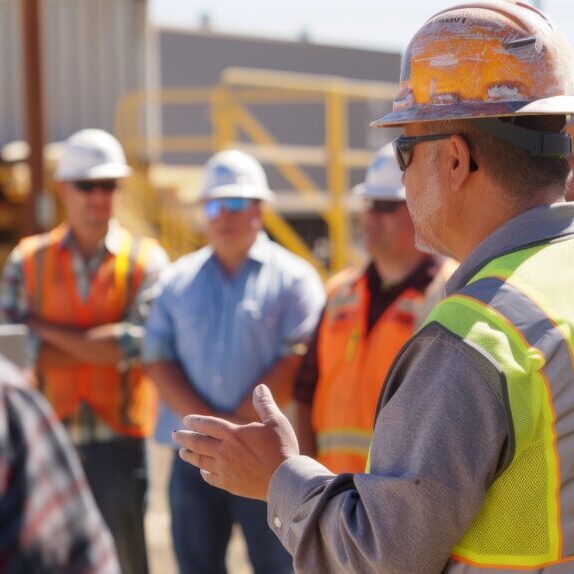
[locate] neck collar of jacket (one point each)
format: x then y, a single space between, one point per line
534 226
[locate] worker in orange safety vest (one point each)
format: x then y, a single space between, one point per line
84 289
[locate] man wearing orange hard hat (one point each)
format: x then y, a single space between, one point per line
470 466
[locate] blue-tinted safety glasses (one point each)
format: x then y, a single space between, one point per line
214 207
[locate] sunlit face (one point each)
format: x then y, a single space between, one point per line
425 194
386 228
231 231
89 204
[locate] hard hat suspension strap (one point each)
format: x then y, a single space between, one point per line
537 143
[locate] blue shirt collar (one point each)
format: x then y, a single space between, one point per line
259 250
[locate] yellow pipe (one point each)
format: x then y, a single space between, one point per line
319 83
264 96
222 118
337 176
247 122
133 145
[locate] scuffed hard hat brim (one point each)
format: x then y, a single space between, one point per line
104 171
246 191
382 193
554 106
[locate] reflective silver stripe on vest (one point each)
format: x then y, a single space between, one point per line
540 332
343 441
459 568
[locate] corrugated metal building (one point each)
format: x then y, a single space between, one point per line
94 51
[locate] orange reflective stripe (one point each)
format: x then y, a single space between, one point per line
461 565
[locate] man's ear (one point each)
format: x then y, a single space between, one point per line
459 161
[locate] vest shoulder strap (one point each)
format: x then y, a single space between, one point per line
132 262
32 244
345 278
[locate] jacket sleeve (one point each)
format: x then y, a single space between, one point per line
48 518
440 438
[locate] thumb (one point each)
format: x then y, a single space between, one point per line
264 404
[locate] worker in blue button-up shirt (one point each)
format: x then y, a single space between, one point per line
235 313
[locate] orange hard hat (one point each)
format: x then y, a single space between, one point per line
484 59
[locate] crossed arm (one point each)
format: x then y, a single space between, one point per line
68 345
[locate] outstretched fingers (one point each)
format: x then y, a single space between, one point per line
201 461
197 442
210 426
206 465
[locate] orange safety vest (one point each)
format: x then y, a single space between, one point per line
125 400
353 365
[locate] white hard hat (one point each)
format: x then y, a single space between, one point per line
383 180
234 173
92 154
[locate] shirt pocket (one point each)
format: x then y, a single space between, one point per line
257 319
191 326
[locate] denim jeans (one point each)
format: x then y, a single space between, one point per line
117 473
202 517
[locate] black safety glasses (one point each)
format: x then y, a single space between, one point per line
88 186
382 206
404 145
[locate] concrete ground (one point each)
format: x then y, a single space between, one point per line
158 523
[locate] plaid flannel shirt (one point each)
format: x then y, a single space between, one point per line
49 522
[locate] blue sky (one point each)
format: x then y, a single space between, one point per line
361 23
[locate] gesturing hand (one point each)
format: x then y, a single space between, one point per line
239 458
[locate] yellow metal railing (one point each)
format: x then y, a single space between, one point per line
233 122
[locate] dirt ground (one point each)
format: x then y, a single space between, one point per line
158 523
